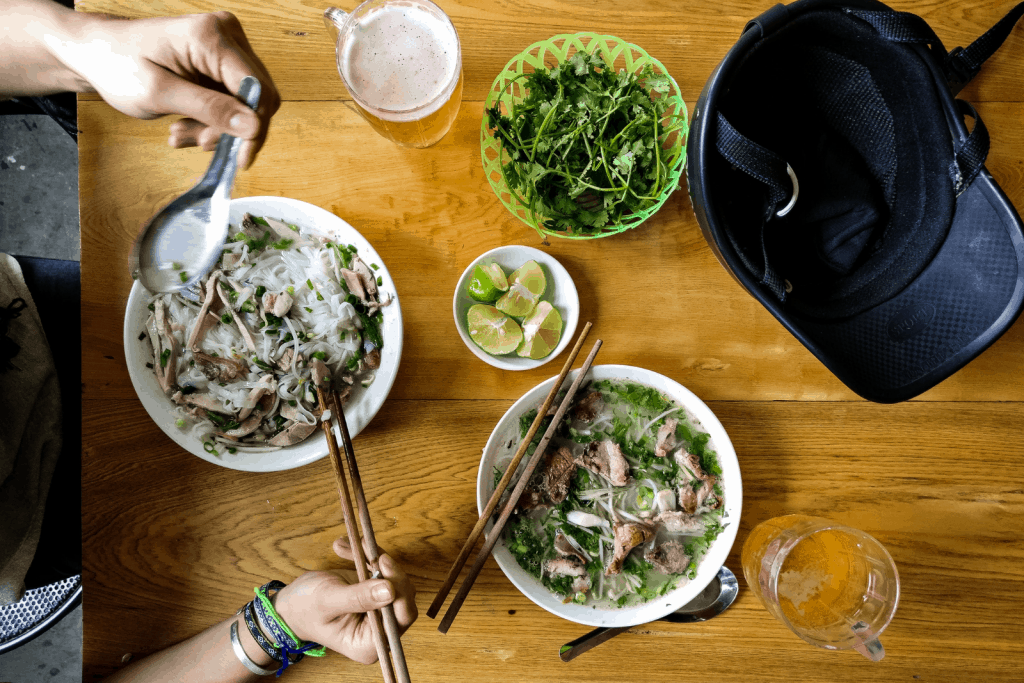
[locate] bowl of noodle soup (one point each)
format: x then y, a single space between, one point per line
325 314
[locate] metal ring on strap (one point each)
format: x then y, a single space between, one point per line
796 193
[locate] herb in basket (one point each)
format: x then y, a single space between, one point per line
585 145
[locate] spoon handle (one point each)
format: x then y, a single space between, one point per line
224 164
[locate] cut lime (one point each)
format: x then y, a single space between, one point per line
488 282
526 285
492 330
541 332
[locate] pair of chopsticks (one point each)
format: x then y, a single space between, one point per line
506 478
329 401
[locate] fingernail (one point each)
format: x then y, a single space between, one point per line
382 591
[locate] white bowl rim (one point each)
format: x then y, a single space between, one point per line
569 321
713 560
315 447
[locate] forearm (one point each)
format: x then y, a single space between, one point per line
31 32
204 658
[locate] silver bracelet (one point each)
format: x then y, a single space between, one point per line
236 645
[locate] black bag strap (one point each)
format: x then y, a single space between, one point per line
960 64
968 156
767 167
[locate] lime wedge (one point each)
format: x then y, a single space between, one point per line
488 282
526 285
541 332
492 330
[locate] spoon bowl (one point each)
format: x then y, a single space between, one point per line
182 243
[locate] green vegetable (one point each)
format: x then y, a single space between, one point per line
318 355
226 319
380 280
209 447
282 244
260 291
374 266
248 307
525 545
184 276
644 498
585 145
309 283
180 423
371 329
290 290
309 310
262 221
164 357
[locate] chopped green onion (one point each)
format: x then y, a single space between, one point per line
291 290
319 355
262 221
374 266
293 227
209 447
248 307
309 283
260 291
319 296
282 244
308 309
184 276
177 266
180 423
164 357
233 297
232 451
226 318
380 280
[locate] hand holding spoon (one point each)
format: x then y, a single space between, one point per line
181 244
709 603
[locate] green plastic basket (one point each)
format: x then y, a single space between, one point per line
547 54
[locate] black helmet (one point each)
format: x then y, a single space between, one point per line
833 176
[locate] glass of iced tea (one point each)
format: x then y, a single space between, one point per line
402 64
833 586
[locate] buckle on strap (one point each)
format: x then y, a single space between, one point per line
958 73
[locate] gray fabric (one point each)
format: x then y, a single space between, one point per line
30 437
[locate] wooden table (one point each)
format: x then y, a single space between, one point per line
174 544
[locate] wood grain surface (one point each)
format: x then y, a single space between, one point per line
173 544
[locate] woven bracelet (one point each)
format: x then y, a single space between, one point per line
286 639
267 646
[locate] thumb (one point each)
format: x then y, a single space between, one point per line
361 597
217 110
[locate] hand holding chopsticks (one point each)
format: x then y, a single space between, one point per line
386 635
492 504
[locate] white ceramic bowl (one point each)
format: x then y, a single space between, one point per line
358 413
709 565
561 294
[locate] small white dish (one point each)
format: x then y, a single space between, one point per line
561 293
507 430
359 411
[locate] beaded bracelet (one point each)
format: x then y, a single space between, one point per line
257 634
286 640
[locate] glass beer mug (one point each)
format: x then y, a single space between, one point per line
833 586
402 63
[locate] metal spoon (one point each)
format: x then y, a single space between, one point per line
709 603
181 244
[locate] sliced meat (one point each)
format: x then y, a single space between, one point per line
586 408
165 348
210 304
281 230
252 229
680 523
690 465
277 304
706 498
252 422
203 401
321 374
292 434
666 437
367 277
605 458
668 558
285 361
236 319
372 359
267 385
344 394
219 369
565 566
627 536
530 500
687 499
230 260
565 548
354 284
558 472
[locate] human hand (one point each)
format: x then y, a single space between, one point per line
327 609
189 65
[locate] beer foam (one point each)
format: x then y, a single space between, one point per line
398 58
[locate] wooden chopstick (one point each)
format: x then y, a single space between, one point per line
521 485
372 555
492 504
356 543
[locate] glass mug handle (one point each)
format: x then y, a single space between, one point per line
872 649
334 19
